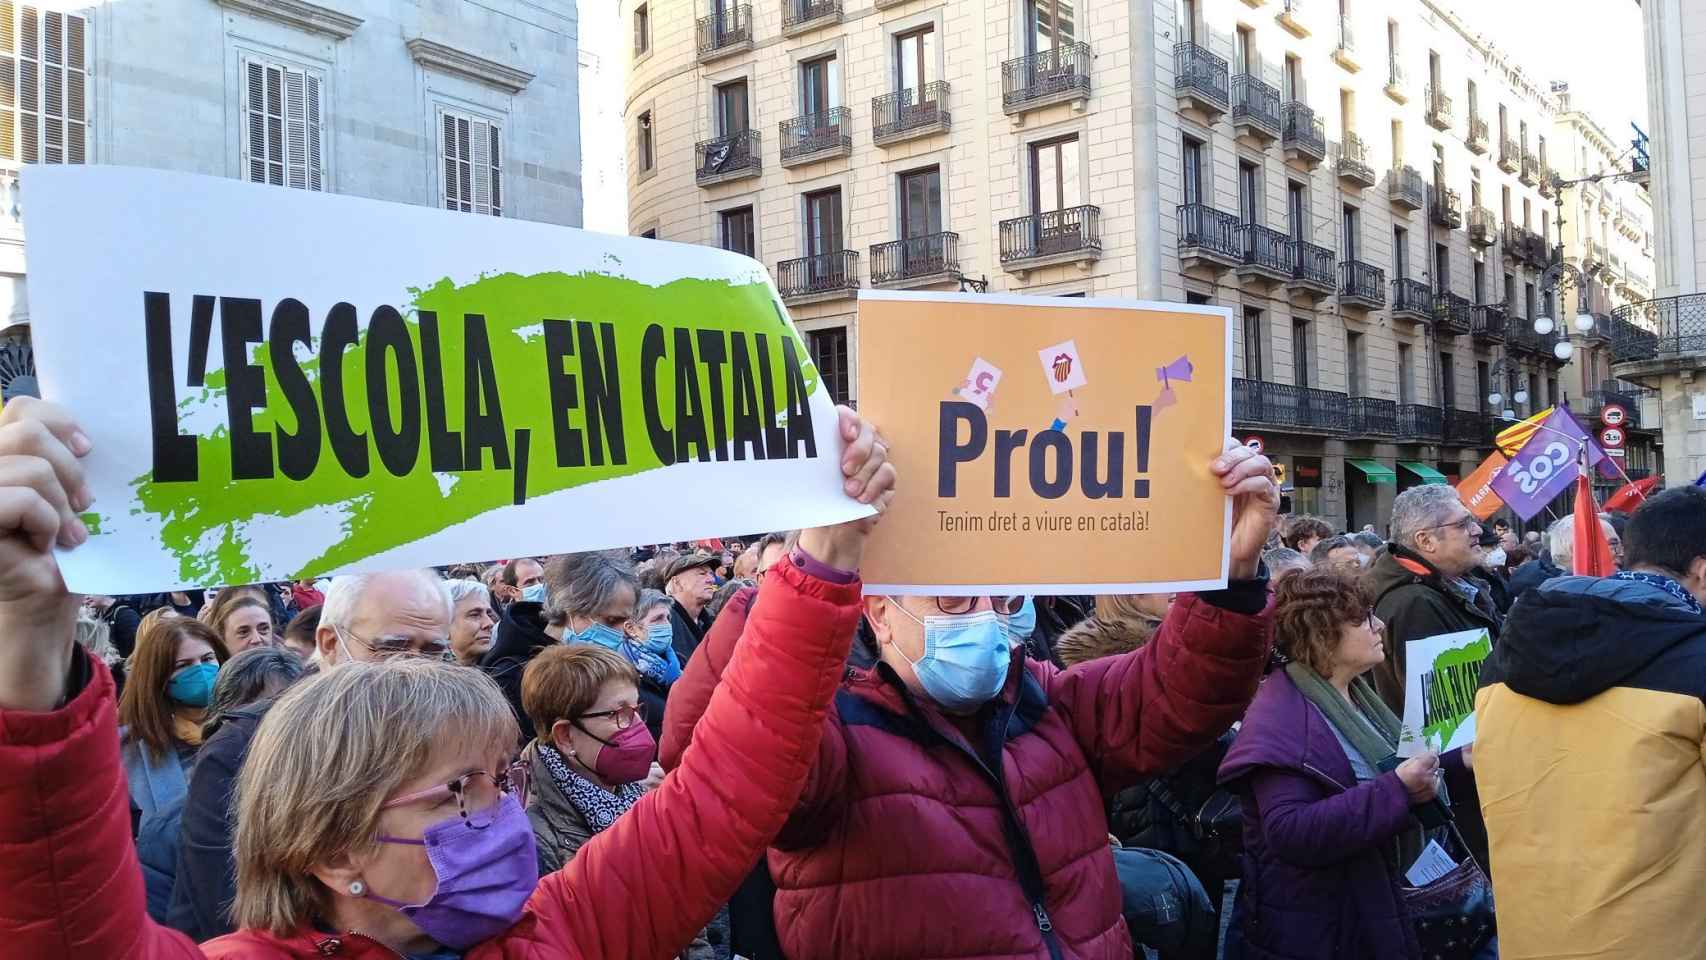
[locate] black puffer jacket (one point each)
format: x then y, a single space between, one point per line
1416 600
519 637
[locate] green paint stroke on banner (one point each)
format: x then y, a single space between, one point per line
1448 689
211 525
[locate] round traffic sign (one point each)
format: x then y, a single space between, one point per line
1254 442
1613 415
1611 437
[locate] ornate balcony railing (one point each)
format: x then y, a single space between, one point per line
818 276
1669 327
1047 76
1438 108
1201 74
1312 264
1362 281
912 111
1510 157
1265 248
1469 428
1259 403
1530 168
1212 231
1411 298
1304 131
1445 207
1051 234
1419 421
816 133
1451 313
1487 322
724 31
1408 189
801 14
1483 226
727 158
915 257
1372 416
1256 105
1477 138
1354 161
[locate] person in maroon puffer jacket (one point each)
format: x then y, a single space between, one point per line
956 804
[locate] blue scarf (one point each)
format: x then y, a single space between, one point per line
1666 584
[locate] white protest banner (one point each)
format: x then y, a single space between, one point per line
281 383
1441 675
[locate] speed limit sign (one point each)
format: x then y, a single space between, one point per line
1613 415
1611 437
1254 442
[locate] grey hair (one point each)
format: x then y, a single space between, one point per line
1281 559
1419 508
1561 541
345 594
245 677
461 590
650 598
582 584
1367 539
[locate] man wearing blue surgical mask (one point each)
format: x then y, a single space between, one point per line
982 773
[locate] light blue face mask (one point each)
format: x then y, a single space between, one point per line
193 685
602 634
534 593
966 658
660 637
1021 625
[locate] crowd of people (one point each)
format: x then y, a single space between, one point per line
724 749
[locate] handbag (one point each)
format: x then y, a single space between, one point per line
1453 916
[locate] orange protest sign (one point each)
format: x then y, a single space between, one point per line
1049 445
1476 490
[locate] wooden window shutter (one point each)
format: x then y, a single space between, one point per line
44 85
471 165
281 126
315 178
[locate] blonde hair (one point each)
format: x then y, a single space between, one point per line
327 756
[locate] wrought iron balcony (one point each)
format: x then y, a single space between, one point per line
1267 253
1072 235
1407 189
1361 285
726 32
799 16
1292 17
1510 158
1345 52
1539 251
1373 417
1262 404
816 136
1477 140
1354 166
1047 77
1530 172
1451 314
1305 135
1468 428
1483 227
1255 109
1438 111
1397 81
1668 328
1411 300
1444 207
1520 337
1200 79
1419 421
734 157
916 261
1311 269
825 276
1546 184
1487 322
1208 237
910 113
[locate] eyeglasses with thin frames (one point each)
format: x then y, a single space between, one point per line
385 648
478 794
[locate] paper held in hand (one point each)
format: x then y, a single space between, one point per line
1441 675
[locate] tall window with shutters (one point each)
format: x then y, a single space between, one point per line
282 113
471 168
44 85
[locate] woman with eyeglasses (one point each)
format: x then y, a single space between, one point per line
375 816
172 672
1329 828
955 770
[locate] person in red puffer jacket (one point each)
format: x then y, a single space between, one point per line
956 804
639 890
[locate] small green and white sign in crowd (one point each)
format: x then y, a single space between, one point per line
1442 674
336 384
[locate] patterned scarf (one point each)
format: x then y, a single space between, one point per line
599 806
1666 584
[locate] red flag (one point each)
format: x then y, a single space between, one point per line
1593 553
1630 495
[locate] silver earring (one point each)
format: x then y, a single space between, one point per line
357 888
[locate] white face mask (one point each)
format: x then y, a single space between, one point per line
1494 558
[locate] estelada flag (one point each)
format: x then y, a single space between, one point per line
1593 554
1511 439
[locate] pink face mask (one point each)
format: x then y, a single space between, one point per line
626 757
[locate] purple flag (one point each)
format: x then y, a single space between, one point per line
1546 464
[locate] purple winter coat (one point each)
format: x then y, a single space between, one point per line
1315 883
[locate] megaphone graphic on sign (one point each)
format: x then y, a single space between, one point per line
1179 369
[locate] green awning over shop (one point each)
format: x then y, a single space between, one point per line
1376 472
1423 472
